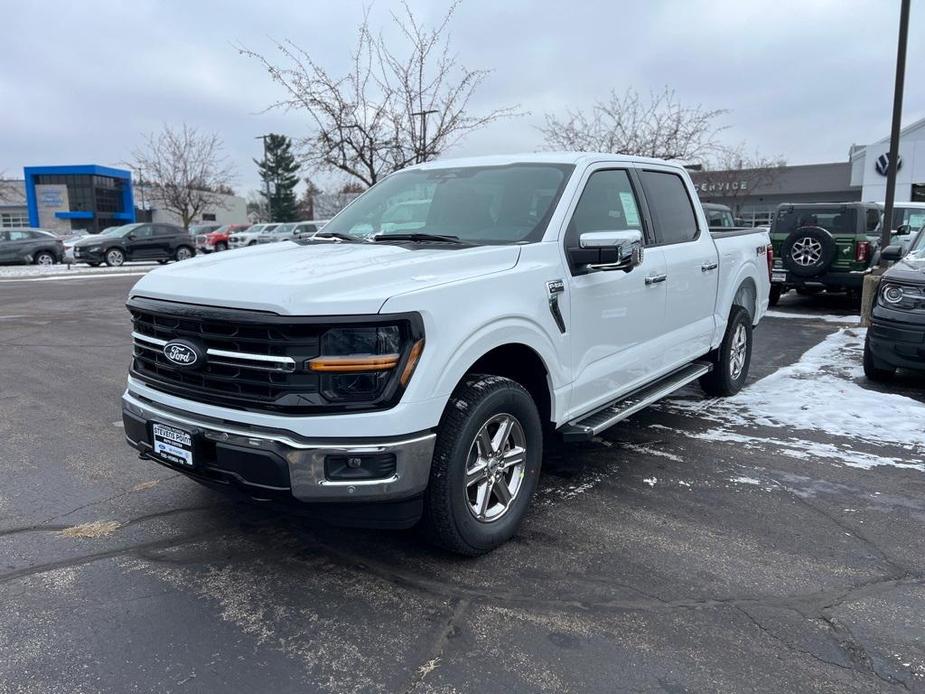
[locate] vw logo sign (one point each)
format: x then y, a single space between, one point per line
883 163
183 354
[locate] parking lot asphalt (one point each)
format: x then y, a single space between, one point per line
669 555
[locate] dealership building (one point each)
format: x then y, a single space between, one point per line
89 197
754 194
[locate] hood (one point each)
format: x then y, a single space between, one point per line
319 278
95 240
909 269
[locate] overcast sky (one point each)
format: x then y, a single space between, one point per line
80 81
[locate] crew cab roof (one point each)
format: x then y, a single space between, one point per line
539 158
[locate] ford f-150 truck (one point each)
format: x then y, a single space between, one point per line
409 377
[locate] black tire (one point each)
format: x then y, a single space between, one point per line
163 261
726 379
874 370
44 258
449 520
115 257
808 251
93 264
252 243
221 246
774 296
186 251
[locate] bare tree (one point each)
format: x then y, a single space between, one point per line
734 173
659 126
396 106
184 171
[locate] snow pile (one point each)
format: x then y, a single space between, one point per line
11 272
825 318
819 393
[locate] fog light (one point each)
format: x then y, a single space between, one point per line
372 466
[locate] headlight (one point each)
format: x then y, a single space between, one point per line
892 293
360 363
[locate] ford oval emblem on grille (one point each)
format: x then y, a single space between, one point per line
183 354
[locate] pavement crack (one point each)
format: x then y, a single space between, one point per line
437 649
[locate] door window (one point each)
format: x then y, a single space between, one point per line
873 220
145 232
19 235
670 206
607 203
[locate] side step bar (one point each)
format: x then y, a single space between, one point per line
591 425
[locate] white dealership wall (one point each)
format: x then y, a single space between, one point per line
864 165
227 209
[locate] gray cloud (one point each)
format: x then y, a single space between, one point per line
79 82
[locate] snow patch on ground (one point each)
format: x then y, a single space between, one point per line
746 480
819 393
651 481
826 318
15 272
648 450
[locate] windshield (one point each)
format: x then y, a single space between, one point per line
913 217
479 204
256 229
835 220
202 228
284 228
918 246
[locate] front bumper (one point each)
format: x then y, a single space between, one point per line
272 463
91 254
895 339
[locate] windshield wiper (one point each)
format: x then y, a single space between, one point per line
417 236
333 235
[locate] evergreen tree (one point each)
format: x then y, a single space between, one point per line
279 168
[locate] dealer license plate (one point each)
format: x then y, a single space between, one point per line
779 277
172 444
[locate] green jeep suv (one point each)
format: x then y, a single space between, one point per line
823 246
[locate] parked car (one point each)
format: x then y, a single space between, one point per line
824 246
142 241
251 236
197 229
896 336
25 245
908 218
291 231
217 240
409 378
69 242
306 230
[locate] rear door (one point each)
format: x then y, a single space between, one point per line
18 245
614 316
691 263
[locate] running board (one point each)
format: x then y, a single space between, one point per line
591 425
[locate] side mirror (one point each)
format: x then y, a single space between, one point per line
608 250
892 253
903 230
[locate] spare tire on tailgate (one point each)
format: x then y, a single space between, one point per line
808 251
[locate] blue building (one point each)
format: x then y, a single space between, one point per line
67 198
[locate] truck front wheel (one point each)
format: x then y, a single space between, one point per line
486 465
732 359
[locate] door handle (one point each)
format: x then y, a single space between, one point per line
706 267
655 279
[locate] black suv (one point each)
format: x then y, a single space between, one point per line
896 336
824 245
30 246
145 241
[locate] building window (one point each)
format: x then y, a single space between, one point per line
13 219
208 217
918 192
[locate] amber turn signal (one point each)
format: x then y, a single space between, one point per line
353 364
413 358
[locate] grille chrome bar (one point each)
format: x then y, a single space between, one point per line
285 364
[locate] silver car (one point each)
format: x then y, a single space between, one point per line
293 230
251 236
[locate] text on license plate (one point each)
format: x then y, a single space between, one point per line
778 276
174 445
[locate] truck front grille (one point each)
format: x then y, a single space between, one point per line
251 357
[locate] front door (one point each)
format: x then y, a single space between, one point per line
142 245
692 267
614 316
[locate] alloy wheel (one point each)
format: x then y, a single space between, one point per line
495 468
183 254
45 259
115 257
738 351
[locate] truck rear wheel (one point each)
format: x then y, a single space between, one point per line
732 359
486 465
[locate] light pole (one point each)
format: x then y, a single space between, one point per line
266 180
872 280
422 152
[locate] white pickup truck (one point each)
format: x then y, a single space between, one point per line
410 377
